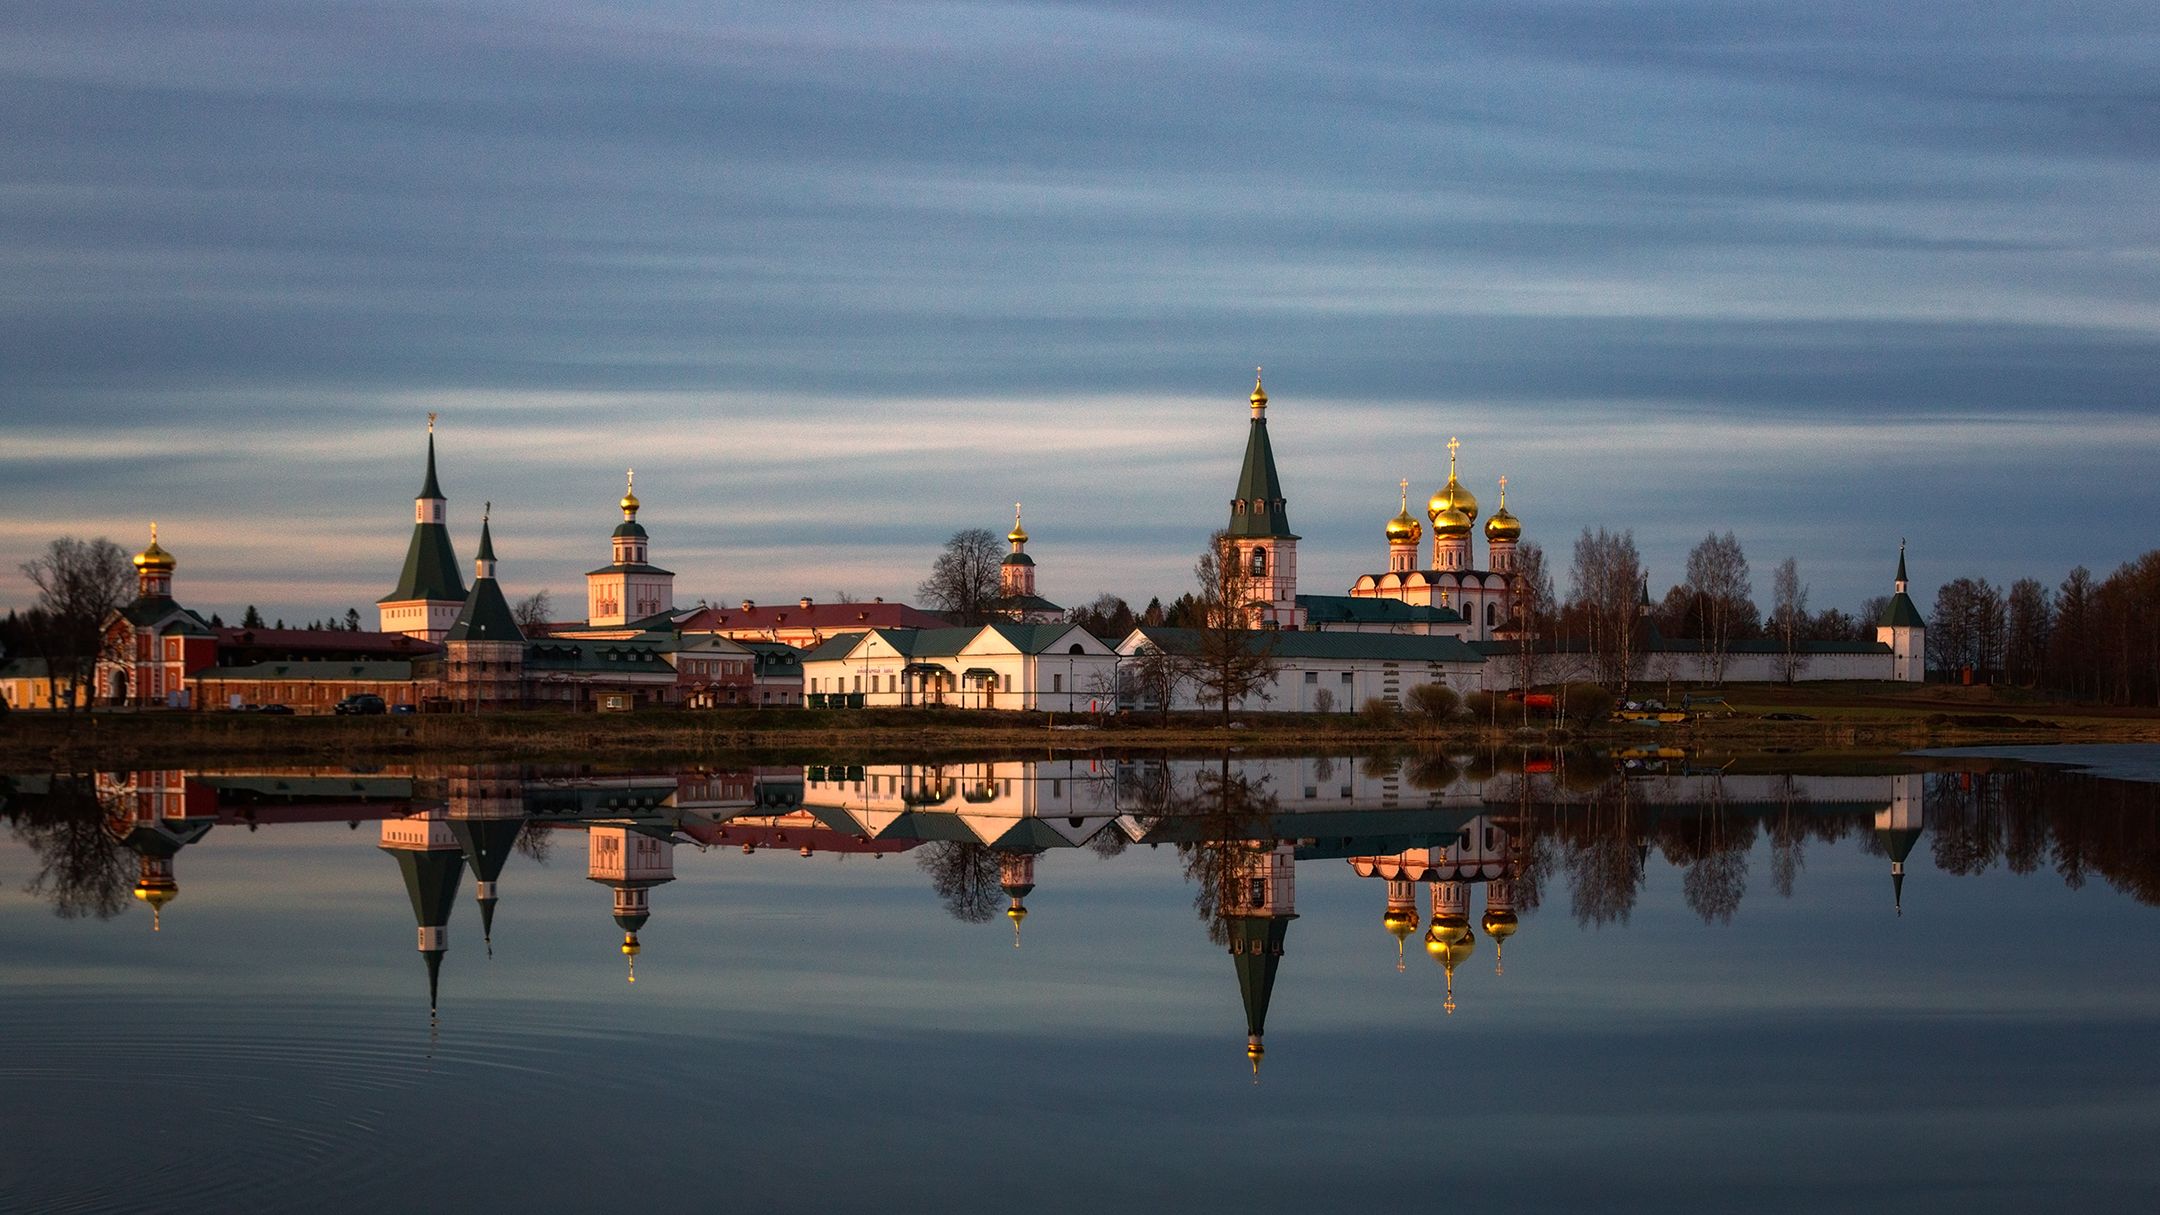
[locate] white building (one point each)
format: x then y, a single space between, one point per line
1055 667
1320 672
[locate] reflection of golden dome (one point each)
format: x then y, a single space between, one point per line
1450 523
154 558
1016 913
1500 925
1400 922
630 944
157 893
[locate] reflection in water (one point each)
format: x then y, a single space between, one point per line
1495 830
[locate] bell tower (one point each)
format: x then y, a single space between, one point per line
1259 543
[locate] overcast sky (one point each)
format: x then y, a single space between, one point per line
841 279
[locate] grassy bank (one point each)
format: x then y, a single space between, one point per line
1868 717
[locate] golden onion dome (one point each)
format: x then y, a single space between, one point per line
629 502
1450 523
1404 528
1259 394
154 558
1503 526
1452 496
1500 925
630 944
1016 913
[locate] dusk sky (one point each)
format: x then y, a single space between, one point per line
841 279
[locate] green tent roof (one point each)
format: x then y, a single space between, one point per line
1257 944
431 878
431 568
486 616
1260 490
1900 612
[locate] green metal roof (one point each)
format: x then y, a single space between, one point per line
1351 609
431 878
324 670
1257 944
1900 612
431 488
486 843
431 568
1381 647
1258 486
1018 559
486 616
631 568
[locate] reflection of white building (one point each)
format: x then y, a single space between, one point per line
1014 805
630 861
432 863
1057 667
1898 827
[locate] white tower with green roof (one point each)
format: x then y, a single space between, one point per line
1904 630
484 648
1259 539
430 592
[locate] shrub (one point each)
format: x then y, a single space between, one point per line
1587 702
1378 711
1482 705
1436 701
1323 701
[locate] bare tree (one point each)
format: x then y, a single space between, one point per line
1717 580
533 611
1607 597
963 581
1789 618
1532 589
79 583
965 876
1230 661
2031 617
1151 675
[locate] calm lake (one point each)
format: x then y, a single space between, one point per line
1517 982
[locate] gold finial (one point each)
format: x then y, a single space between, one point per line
487 510
153 534
1405 483
1259 393
1016 514
629 501
1453 444
431 422
630 478
1503 491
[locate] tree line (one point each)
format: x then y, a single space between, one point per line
2091 639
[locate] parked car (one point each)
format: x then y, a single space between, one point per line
273 710
360 704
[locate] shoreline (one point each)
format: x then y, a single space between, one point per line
40 741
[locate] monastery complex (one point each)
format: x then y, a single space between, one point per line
1432 615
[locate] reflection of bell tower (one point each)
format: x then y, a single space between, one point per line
1259 901
1449 940
631 861
1401 917
1898 827
1500 922
487 811
1016 873
427 855
149 819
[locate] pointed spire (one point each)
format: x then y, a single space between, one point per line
487 924
431 488
486 555
1901 580
1897 888
434 978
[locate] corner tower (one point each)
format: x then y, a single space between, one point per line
429 592
1259 539
1902 628
485 648
628 588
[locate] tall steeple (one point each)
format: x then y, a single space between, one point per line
1259 540
1258 902
429 589
1903 629
1016 576
428 859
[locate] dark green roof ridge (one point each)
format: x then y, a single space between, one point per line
486 616
1258 483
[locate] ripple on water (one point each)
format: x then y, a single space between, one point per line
267 1106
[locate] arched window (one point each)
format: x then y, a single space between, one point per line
1259 562
1492 614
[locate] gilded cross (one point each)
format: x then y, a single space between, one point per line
431 421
